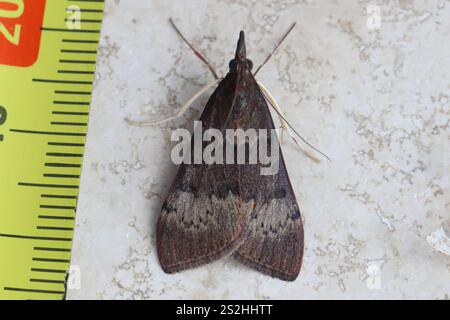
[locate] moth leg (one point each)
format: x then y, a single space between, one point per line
269 97
198 54
180 113
280 133
284 125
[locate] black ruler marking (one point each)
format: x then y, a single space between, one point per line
55 217
44 206
62 165
76 72
47 281
54 228
77 61
51 260
48 270
70 30
33 290
66 144
69 113
74 134
75 103
79 41
62 81
86 93
51 249
77 124
58 196
78 51
19 236
84 20
58 175
45 185
64 155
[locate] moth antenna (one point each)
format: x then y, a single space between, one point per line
180 113
275 106
276 48
198 54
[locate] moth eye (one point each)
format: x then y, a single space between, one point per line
232 65
295 215
250 64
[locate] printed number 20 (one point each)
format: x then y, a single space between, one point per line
14 37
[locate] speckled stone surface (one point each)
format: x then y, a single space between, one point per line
375 98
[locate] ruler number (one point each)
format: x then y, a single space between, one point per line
14 38
16 12
12 14
2 119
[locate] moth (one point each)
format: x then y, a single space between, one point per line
216 210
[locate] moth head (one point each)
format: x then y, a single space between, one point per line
240 58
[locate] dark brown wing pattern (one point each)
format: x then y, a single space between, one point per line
202 219
274 233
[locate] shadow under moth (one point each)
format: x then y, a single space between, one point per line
215 210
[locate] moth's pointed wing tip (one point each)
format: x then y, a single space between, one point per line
288 276
167 269
172 269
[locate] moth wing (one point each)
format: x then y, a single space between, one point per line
202 218
274 233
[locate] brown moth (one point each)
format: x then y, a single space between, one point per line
215 210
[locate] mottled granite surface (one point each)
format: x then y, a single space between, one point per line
371 93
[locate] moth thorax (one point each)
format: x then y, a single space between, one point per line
247 64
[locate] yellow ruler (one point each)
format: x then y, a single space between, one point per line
48 50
